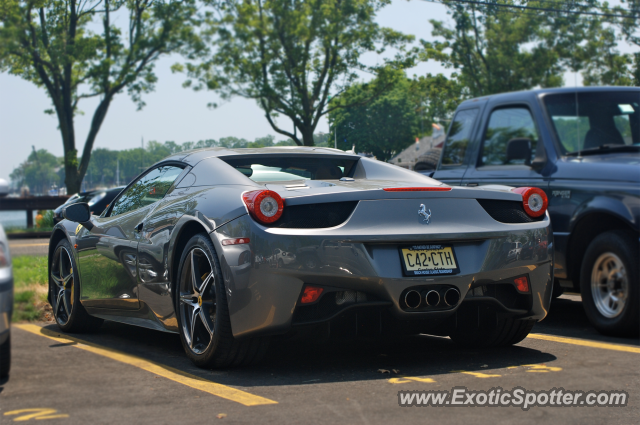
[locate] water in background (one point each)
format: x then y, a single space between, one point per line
15 219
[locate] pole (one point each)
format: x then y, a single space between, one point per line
118 172
335 133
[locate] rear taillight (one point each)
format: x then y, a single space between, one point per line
266 206
522 284
534 200
310 294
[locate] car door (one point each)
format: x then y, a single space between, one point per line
496 163
455 157
108 259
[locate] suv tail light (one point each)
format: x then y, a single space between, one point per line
534 200
264 205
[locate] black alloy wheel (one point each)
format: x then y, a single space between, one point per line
64 290
203 313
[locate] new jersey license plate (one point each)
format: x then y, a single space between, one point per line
421 260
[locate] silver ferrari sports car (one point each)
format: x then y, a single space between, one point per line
231 247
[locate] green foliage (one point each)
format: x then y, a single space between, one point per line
30 291
45 220
382 127
291 55
606 64
497 50
437 97
29 270
75 49
38 172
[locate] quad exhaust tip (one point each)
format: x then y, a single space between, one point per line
451 296
432 298
413 299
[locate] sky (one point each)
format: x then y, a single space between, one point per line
172 112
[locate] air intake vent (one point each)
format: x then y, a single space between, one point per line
507 211
315 216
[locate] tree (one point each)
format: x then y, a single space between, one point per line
291 55
499 49
437 97
628 21
74 50
383 127
38 172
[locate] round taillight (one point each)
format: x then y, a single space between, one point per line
534 200
266 206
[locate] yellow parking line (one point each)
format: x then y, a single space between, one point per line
585 343
477 374
176 375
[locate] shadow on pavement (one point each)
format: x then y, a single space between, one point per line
567 319
298 363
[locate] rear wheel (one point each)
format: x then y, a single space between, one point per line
203 313
609 283
64 288
5 358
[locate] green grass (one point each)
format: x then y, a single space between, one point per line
30 287
26 230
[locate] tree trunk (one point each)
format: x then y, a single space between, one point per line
71 178
307 136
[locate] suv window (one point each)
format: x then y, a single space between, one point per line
148 189
504 125
590 120
457 141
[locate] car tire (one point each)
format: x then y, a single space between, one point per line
64 283
209 341
5 358
502 333
609 272
429 161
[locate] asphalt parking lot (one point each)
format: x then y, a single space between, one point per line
33 246
124 374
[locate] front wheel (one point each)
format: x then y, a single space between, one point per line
609 283
64 287
203 313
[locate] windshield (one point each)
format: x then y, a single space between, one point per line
288 168
591 121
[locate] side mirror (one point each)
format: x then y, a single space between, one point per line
79 213
519 148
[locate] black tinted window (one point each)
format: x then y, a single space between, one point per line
589 120
505 125
148 189
457 141
268 168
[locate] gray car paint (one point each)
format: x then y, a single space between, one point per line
262 299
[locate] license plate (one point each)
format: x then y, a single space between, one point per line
421 260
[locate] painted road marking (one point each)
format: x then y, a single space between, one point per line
35 414
538 368
585 343
476 374
175 375
405 379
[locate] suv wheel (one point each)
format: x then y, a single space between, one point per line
609 283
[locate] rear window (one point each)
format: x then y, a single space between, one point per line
592 119
289 168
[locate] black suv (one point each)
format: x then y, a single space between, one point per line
582 147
